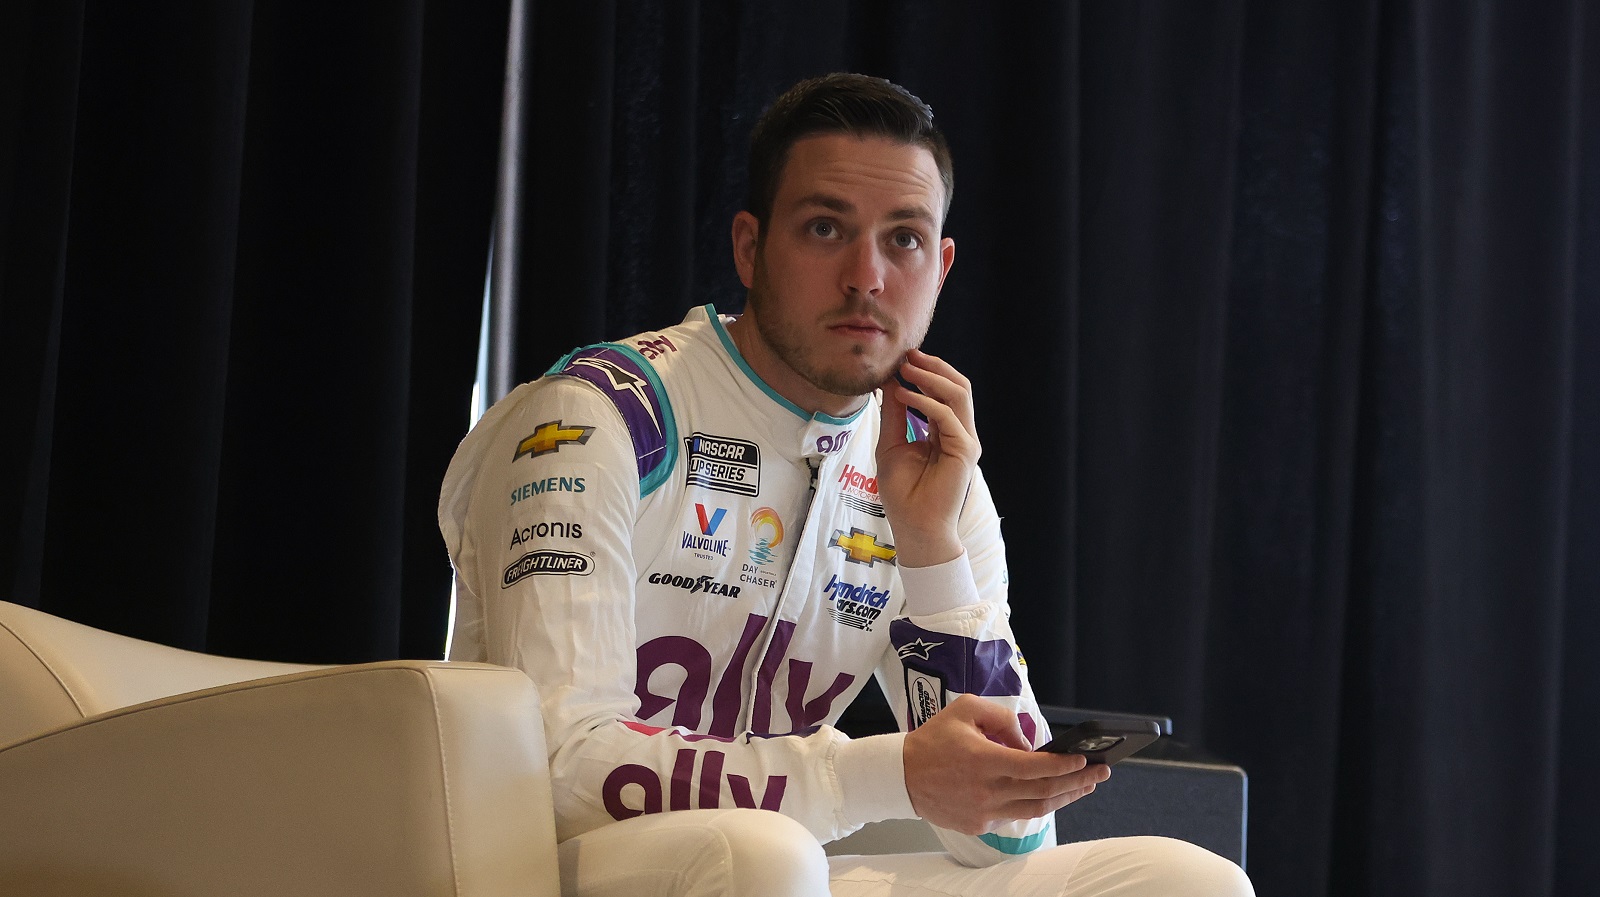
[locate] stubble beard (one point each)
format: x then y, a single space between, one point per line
789 349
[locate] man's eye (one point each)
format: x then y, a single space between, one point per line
823 228
907 240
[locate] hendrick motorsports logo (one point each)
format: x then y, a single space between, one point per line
546 562
860 491
727 465
856 606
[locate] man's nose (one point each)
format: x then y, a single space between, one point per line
863 269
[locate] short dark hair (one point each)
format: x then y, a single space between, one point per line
840 103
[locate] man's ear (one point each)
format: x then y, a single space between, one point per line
746 234
947 257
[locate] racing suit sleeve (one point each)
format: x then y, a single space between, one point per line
956 639
538 512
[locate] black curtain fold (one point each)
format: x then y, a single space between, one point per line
240 318
1282 319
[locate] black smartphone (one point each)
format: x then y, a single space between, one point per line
914 388
1105 741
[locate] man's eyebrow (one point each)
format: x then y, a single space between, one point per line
843 207
827 201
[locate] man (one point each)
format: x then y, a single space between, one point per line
700 541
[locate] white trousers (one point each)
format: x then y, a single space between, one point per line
743 853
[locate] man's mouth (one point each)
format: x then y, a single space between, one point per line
859 327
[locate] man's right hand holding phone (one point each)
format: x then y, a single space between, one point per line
969 769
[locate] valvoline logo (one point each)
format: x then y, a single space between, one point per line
709 523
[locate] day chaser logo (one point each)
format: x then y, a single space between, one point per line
694 584
727 465
708 527
546 562
550 437
768 527
924 696
861 547
860 491
855 606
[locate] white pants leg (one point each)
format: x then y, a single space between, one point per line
696 853
746 853
1113 867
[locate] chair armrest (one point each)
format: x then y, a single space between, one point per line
398 778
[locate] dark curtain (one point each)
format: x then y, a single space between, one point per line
243 260
1283 324
1283 319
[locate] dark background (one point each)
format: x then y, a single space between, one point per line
1283 318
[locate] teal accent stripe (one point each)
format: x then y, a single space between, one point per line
1016 846
663 468
733 352
563 361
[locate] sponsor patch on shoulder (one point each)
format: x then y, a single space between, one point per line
547 562
550 437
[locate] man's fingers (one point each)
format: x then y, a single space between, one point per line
892 418
939 365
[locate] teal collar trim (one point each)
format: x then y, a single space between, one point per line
733 352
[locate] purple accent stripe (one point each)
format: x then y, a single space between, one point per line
622 380
917 426
967 665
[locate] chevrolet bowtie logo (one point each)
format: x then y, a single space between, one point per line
862 547
551 437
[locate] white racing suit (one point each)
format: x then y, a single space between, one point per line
700 577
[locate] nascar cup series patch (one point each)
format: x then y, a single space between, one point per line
723 464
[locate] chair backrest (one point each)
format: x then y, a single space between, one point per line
55 671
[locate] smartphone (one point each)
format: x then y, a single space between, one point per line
1105 741
914 388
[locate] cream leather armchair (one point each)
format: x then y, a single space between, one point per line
134 769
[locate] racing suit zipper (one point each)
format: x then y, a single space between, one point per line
799 575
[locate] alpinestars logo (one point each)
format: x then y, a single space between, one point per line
918 648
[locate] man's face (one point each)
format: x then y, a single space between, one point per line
844 280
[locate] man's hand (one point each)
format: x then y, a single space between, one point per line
969 770
924 483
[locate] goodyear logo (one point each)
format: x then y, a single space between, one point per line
550 437
546 562
861 547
